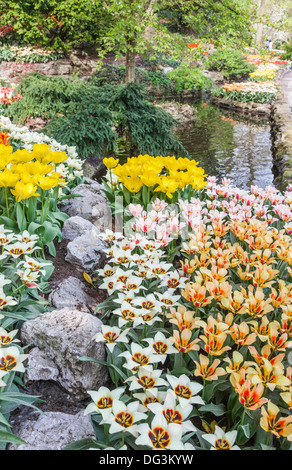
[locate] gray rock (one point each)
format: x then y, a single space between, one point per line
71 294
76 226
39 365
64 336
86 253
92 205
53 430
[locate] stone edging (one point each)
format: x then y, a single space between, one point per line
254 109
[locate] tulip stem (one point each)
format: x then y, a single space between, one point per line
243 416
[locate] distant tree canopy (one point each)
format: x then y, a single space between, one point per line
128 27
53 23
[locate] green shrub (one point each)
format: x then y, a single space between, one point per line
287 47
187 77
42 96
92 117
52 23
116 74
231 63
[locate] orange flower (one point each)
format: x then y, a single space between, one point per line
218 290
255 304
214 344
250 396
207 372
182 318
234 364
182 341
196 293
269 374
240 334
188 267
280 427
233 303
277 341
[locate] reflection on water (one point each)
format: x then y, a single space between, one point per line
228 146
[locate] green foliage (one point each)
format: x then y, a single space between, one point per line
288 51
52 23
147 126
92 117
188 77
114 74
231 63
43 96
86 124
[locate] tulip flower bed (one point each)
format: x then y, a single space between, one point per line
245 92
27 54
197 323
35 173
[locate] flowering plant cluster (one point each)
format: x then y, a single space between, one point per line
23 282
28 54
23 138
199 324
262 74
36 173
145 178
7 95
265 59
261 92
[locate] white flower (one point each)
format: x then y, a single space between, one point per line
221 440
172 412
124 417
160 435
12 359
5 300
185 389
161 345
103 400
139 356
7 338
146 378
150 395
128 313
168 299
111 335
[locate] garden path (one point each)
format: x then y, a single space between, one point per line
287 87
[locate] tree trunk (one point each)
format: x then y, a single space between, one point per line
130 62
260 26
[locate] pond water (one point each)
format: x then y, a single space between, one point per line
229 145
226 145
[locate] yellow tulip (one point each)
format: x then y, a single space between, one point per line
110 163
24 191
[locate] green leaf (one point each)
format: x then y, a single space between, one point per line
217 410
85 444
11 438
20 217
244 434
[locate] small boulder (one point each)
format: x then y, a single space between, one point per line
64 336
86 253
53 430
76 226
70 293
92 205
